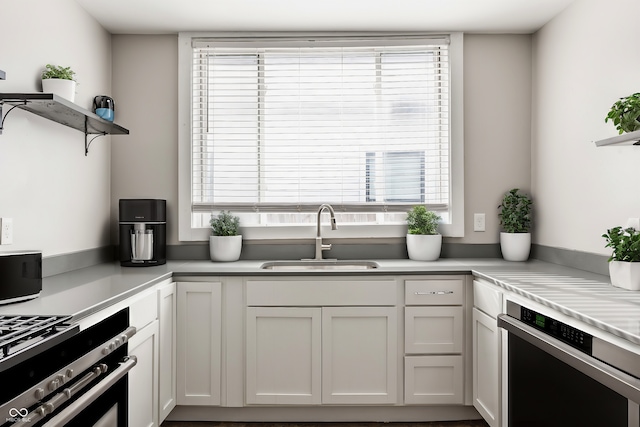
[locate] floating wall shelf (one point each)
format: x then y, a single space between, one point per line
631 138
60 110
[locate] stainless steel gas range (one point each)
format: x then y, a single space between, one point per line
53 373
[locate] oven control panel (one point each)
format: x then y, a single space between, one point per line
559 330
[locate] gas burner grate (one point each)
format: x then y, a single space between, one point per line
18 332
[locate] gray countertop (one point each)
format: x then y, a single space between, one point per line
579 294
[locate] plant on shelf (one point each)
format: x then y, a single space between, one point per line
515 220
624 262
423 241
58 72
625 113
60 81
225 244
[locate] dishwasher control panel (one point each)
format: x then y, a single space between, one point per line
559 330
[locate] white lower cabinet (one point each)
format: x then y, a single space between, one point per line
283 355
433 380
167 349
302 352
199 343
486 352
359 355
143 378
433 344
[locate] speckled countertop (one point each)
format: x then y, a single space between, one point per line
576 293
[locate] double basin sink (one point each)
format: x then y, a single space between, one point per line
325 264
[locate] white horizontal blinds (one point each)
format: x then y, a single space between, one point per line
362 126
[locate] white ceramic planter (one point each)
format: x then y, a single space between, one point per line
225 248
62 87
515 246
424 247
625 275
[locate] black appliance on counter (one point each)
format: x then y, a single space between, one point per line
56 374
143 232
20 276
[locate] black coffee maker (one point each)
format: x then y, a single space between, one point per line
143 232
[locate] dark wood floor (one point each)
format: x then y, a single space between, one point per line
470 423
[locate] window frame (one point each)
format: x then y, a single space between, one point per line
188 233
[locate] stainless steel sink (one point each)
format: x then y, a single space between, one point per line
319 265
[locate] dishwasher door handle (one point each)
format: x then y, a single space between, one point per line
618 381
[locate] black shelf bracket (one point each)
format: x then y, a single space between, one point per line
5 116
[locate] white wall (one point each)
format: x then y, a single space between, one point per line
584 60
57 197
497 124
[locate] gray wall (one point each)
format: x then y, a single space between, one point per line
497 83
58 198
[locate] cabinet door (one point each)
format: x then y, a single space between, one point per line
199 343
433 330
143 378
359 355
433 380
486 363
283 355
167 349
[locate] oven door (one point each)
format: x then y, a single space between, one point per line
549 383
101 405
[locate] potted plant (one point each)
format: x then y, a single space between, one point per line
225 244
624 113
59 80
423 241
624 263
515 220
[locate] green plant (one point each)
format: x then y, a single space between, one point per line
422 221
625 244
224 224
56 72
624 113
515 212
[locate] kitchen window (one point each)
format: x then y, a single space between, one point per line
272 127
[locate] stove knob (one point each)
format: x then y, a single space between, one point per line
124 338
39 393
69 373
117 342
60 379
54 384
49 407
41 411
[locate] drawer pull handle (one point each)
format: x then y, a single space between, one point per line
434 293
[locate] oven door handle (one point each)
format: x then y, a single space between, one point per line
618 381
68 413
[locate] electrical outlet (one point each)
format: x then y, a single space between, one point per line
478 222
6 234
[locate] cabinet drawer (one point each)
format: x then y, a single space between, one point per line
433 330
433 380
434 291
487 298
306 292
144 309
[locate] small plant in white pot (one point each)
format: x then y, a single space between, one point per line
225 244
59 80
624 263
515 220
424 243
